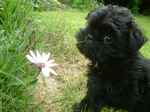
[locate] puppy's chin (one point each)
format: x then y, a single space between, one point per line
86 50
80 47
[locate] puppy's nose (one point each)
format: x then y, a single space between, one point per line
89 37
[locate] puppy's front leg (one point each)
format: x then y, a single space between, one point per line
88 105
81 107
96 107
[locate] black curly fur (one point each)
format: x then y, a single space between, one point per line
118 75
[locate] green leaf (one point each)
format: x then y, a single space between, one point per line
27 34
27 72
35 85
33 82
0 105
2 39
1 32
21 81
1 59
19 65
6 74
4 67
96 65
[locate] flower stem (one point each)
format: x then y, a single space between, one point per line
44 80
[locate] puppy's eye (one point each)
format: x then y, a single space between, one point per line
108 39
89 38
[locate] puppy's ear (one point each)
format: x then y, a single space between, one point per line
91 13
88 16
136 39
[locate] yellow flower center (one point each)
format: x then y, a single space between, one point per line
41 65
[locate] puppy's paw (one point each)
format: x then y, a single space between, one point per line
76 107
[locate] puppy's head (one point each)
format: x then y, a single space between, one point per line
110 33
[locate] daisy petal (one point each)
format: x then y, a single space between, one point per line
50 61
52 71
51 65
43 55
33 55
30 58
39 58
45 71
47 56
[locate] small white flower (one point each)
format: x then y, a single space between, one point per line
42 62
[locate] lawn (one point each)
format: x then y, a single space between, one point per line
56 32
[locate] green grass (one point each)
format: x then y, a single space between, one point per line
144 24
16 77
56 32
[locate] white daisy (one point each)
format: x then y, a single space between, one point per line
42 62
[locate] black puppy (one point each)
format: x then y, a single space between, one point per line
118 75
